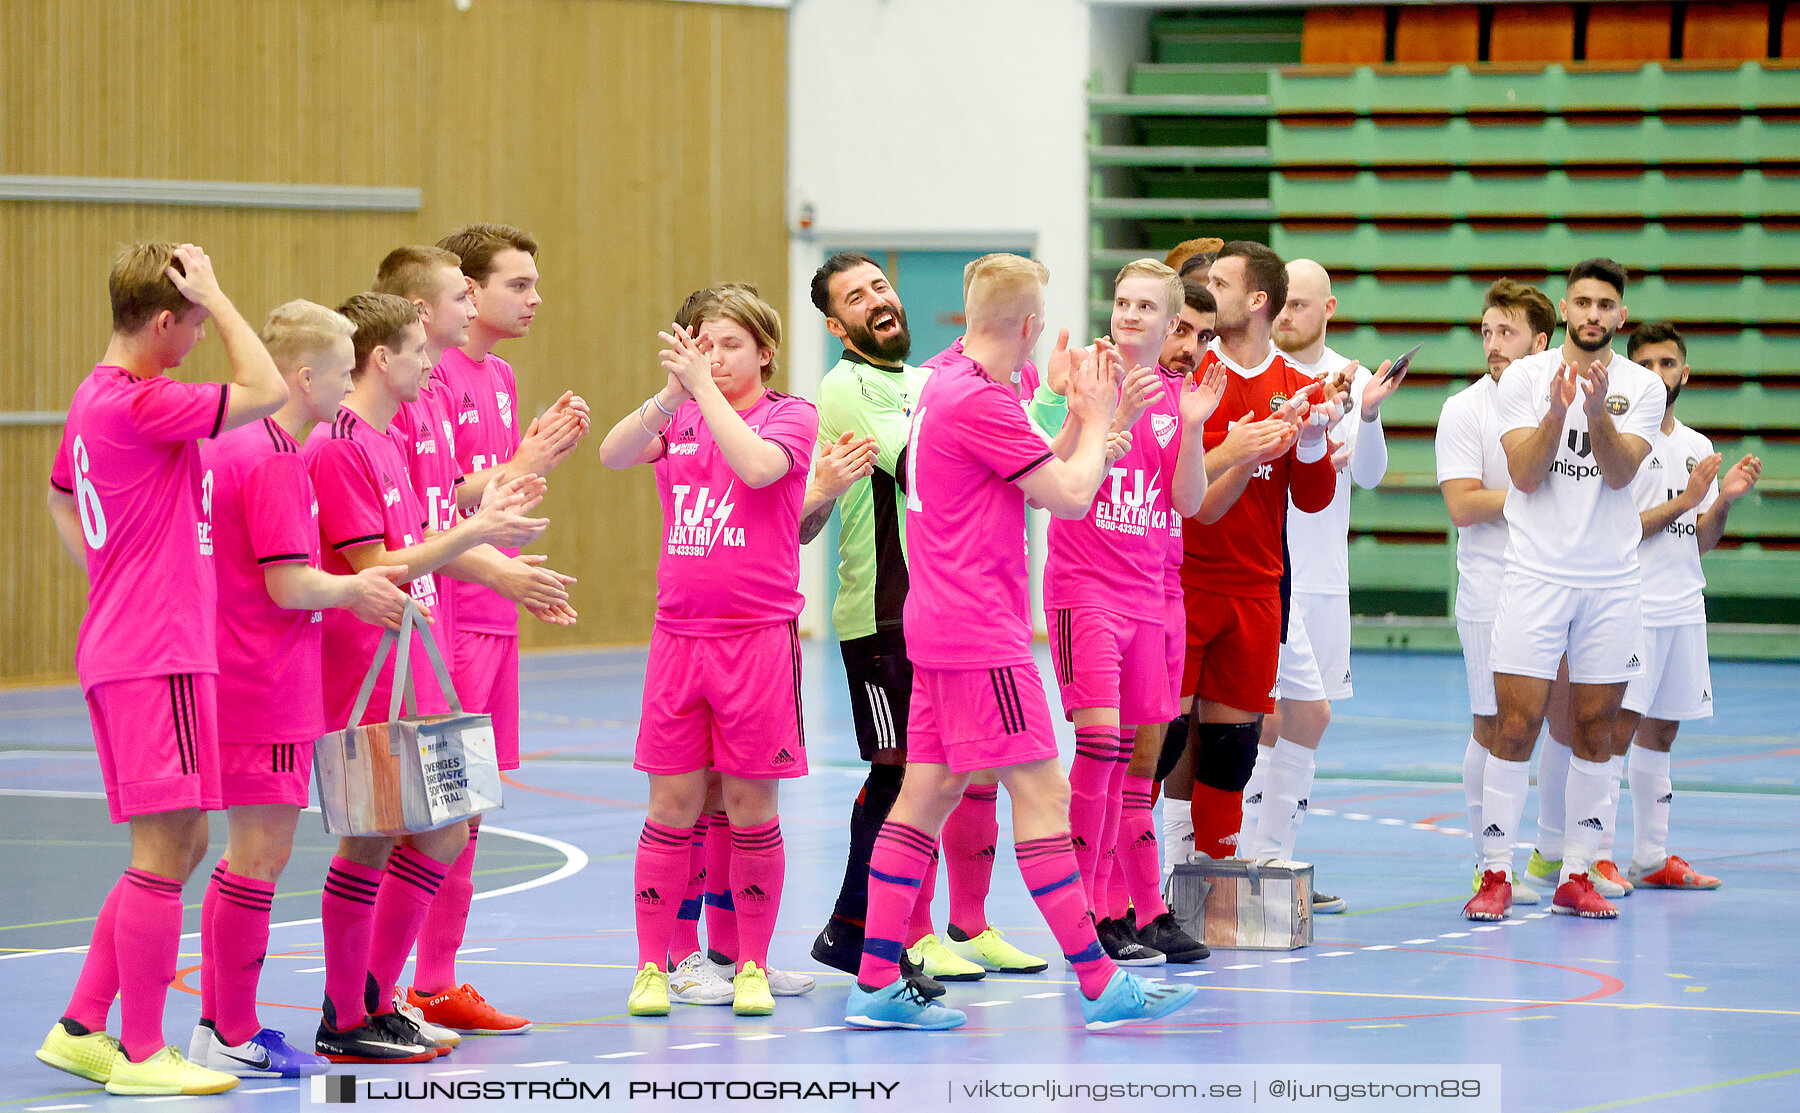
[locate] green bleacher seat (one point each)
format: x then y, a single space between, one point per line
1461 90
1554 194
1458 141
1457 298
1548 248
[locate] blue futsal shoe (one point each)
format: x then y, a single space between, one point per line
264 1055
900 1005
1129 998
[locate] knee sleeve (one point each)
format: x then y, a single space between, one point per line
1174 744
1226 756
883 787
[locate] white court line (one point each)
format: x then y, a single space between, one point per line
691 1046
1245 966
1043 996
1490 927
764 1036
546 1063
311 970
268 1090
1380 947
454 1073
1454 935
1287 960
826 1028
1183 974
48 1108
474 950
622 1055
984 1004
1336 954
1419 942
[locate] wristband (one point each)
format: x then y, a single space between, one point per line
646 424
1309 453
658 402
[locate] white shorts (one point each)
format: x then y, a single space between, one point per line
1478 651
1315 659
1676 683
1598 627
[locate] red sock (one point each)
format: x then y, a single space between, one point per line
896 870
968 849
408 886
1137 851
240 926
685 939
147 936
209 940
347 916
758 867
1217 816
1089 772
99 980
658 875
1048 867
918 924
445 922
721 912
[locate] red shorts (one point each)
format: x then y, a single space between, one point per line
266 772
1103 659
1175 646
971 719
486 675
732 703
1233 650
158 742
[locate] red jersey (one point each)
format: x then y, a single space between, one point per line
1240 554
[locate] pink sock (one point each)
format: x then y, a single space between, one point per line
1108 892
408 886
240 926
1096 747
347 915
445 922
721 912
99 980
658 875
918 924
758 867
147 936
1048 867
1137 851
685 939
897 868
968 849
209 943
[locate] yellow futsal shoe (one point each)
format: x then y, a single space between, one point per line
751 996
649 992
930 955
992 952
90 1056
166 1072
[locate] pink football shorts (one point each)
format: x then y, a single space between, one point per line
158 743
1105 659
266 772
732 703
971 719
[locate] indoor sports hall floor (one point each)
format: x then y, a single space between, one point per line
1686 1002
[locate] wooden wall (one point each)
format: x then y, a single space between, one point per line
642 142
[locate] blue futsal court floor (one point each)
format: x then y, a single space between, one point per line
1684 1003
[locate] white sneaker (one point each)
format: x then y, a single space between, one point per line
695 981
437 1033
782 983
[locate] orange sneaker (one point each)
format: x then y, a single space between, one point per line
1576 897
464 1010
1494 899
1674 873
1609 869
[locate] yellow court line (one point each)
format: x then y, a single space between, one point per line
1623 1102
98 1091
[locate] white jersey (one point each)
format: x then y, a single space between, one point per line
1468 447
1673 581
1574 530
1318 544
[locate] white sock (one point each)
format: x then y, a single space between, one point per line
1474 761
1553 780
1615 772
1504 785
1253 798
1177 834
1651 793
1590 787
1285 793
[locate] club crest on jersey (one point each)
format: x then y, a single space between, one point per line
1617 404
504 401
1276 401
1692 464
1164 426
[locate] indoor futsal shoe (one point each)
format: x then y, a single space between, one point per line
1128 999
1577 897
782 983
1521 892
1124 948
1324 904
1492 900
264 1055
166 1073
1674 873
447 1038
1163 934
899 1004
943 964
1609 869
750 992
372 1041
88 1055
1543 873
839 945
649 992
461 1009
992 952
695 981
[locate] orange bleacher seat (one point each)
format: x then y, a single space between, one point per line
1727 32
1532 33
1438 33
1350 36
1628 32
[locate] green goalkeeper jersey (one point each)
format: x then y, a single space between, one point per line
868 400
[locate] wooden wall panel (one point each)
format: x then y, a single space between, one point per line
1438 33
1628 32
1532 33
642 142
1726 32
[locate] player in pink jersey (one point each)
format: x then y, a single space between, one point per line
128 499
1103 597
723 680
369 516
973 458
431 278
271 707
